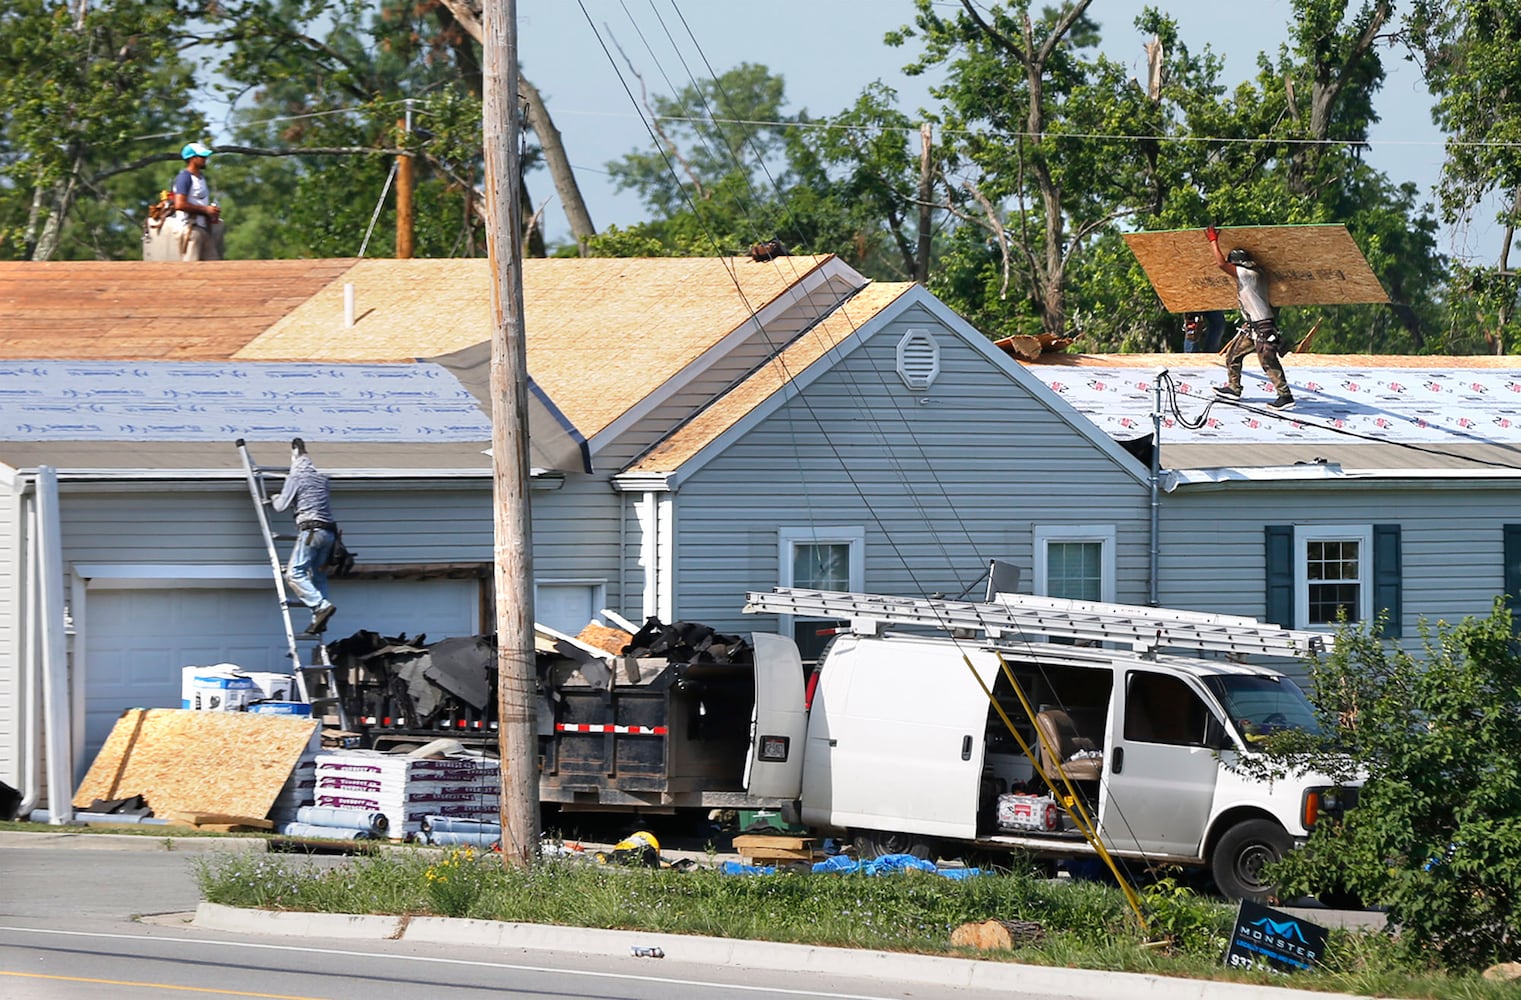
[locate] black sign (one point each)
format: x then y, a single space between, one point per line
1271 939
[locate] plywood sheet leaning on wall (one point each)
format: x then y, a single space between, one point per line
1306 266
186 762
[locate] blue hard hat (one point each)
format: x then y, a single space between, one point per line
194 149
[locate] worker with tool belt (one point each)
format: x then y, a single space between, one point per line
1258 329
317 531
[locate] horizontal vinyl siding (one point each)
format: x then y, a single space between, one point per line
942 480
12 635
1212 542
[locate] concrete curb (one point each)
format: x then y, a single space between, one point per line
1080 984
128 842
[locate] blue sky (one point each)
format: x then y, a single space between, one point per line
829 50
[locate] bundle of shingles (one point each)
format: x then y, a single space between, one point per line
408 789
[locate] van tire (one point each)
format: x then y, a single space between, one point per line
1241 854
875 844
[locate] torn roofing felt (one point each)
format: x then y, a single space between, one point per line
553 441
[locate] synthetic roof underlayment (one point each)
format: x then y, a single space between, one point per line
1435 405
221 401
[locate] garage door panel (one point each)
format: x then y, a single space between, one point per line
138 641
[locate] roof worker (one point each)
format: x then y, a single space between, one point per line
316 532
1203 331
1258 329
194 211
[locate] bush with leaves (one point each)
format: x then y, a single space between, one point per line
1435 835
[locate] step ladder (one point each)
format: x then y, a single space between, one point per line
315 676
1145 629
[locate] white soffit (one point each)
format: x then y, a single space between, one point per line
1333 405
218 401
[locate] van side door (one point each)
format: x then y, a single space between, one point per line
1159 772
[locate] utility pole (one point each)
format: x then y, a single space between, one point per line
517 737
404 189
926 188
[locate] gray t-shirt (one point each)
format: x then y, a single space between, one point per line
1254 303
308 488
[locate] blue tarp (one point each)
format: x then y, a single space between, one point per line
888 864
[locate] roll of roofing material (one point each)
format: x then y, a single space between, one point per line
456 824
483 839
375 822
314 832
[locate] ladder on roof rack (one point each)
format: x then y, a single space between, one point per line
317 679
1146 629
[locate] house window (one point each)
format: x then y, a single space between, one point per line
1075 562
831 558
918 359
1334 567
822 558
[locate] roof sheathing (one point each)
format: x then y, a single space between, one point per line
599 331
141 310
728 410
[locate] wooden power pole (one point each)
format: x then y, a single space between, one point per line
404 185
517 737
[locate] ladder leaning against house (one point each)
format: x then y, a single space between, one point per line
316 679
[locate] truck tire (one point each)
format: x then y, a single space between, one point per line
876 843
1242 853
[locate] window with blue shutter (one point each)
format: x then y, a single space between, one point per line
1512 574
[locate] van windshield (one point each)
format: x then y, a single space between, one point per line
1263 705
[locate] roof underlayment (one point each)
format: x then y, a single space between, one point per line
1434 408
219 401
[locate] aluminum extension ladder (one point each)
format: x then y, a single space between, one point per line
316 678
1146 629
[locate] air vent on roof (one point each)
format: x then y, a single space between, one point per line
918 359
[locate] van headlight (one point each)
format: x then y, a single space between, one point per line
1332 801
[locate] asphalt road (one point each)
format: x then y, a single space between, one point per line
83 924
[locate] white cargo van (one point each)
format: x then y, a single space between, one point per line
902 750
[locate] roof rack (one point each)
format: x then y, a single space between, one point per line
1146 629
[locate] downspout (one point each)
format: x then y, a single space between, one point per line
55 680
31 746
1153 592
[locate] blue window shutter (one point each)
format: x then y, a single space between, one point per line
1280 574
1388 575
1513 571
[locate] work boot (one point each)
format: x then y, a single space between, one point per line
1227 392
320 617
1283 402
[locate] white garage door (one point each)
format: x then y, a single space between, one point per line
138 640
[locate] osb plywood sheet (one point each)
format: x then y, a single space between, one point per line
729 409
182 761
601 332
1306 266
141 310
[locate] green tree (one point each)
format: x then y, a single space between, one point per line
1471 53
83 87
1433 836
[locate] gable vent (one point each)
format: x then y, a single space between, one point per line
918 359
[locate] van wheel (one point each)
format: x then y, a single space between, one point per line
875 844
1241 855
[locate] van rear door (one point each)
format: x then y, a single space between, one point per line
779 725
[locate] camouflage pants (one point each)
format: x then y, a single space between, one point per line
1265 342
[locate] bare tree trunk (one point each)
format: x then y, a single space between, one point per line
52 229
517 736
559 165
560 170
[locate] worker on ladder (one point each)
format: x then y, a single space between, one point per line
317 531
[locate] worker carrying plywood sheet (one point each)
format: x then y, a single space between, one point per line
1259 328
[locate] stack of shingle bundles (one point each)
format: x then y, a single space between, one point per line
300 789
407 789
